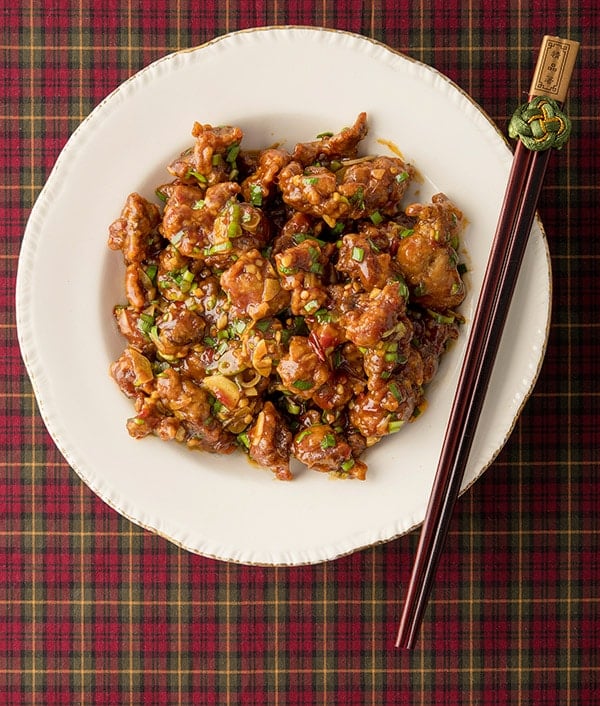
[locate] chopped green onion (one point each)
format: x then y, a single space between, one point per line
403 176
347 465
376 218
358 254
151 271
244 439
311 306
219 247
200 177
406 232
303 434
328 441
311 181
462 268
323 316
176 239
321 135
256 195
358 198
232 153
161 195
292 407
287 270
145 323
239 326
402 288
396 392
303 384
394 426
197 205
441 318
216 160
456 288
301 237
234 230
337 228
217 406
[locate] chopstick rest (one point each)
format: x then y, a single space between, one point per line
540 125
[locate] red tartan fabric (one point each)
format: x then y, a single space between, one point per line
96 611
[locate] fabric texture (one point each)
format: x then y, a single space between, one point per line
96 611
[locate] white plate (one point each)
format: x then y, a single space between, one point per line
278 84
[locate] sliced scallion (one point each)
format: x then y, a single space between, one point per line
200 177
328 441
394 426
256 195
358 254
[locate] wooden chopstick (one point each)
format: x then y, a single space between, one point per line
517 214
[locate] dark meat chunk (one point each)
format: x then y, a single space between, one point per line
374 315
384 410
313 190
139 286
136 234
189 216
431 338
369 189
383 360
301 370
191 407
361 260
259 186
427 257
135 326
212 159
331 147
132 372
375 186
301 269
270 442
216 228
178 327
135 231
335 393
320 448
253 287
298 228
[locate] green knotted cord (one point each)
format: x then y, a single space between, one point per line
540 124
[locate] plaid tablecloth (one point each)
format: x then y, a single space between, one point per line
95 610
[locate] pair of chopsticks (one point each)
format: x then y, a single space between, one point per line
539 124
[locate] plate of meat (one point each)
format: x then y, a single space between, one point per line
266 290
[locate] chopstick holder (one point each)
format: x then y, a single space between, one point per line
539 125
